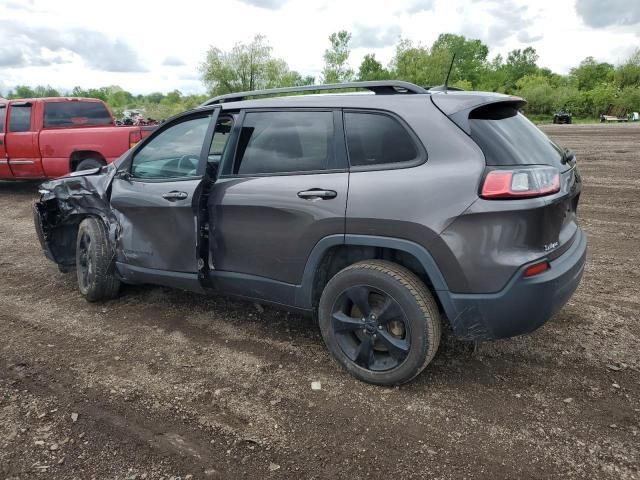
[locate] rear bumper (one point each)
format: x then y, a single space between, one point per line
524 304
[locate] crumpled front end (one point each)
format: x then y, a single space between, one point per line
63 204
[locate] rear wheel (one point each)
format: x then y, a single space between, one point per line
89 163
96 281
380 322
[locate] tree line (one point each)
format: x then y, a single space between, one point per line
588 90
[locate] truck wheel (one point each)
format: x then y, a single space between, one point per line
96 281
380 322
89 163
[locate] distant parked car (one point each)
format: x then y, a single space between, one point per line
562 117
49 137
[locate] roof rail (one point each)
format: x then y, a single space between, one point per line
383 87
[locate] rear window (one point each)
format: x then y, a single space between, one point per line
507 138
73 113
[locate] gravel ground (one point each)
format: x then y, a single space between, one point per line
166 384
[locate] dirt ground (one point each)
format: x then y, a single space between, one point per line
167 384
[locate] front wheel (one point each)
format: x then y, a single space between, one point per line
380 322
96 280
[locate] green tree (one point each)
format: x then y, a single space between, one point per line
471 57
172 98
336 59
155 97
372 69
601 98
628 74
22 91
246 67
629 99
538 92
413 64
494 76
519 64
590 73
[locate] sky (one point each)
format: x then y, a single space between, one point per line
148 46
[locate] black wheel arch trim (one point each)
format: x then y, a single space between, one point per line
304 293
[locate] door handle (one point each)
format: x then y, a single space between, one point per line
318 193
175 195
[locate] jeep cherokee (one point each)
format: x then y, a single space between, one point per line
390 214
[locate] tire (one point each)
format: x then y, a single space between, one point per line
89 163
401 331
96 281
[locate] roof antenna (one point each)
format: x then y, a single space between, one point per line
446 80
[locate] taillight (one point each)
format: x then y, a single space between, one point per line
537 269
134 137
523 182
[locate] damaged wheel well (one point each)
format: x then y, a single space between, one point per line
62 242
340 256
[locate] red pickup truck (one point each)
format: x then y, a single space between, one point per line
50 137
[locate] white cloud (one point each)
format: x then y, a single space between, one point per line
596 13
375 36
68 43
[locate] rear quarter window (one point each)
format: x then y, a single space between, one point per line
75 114
375 139
507 137
3 110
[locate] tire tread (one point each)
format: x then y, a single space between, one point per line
105 285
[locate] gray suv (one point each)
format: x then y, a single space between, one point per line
390 213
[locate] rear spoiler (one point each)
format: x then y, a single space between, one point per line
458 106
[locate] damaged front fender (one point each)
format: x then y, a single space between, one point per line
64 203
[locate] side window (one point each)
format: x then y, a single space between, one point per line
75 113
377 139
3 109
174 152
20 118
282 142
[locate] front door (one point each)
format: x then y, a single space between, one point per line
281 190
156 198
21 142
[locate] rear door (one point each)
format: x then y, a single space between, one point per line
281 190
21 141
5 172
156 201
